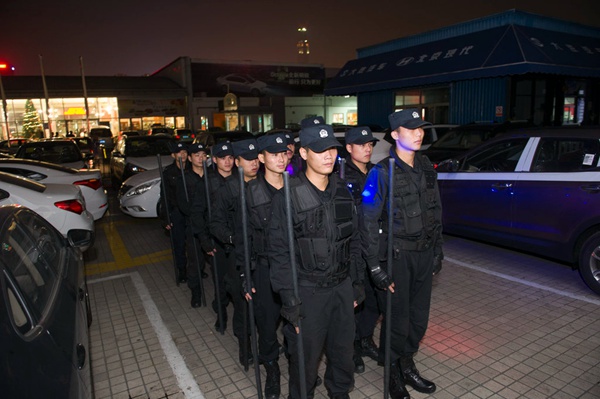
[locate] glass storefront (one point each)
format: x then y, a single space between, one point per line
434 102
30 117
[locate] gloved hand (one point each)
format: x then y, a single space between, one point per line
290 307
358 287
380 278
437 263
245 289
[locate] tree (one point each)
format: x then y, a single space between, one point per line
32 125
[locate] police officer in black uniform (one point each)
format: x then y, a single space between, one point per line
226 227
417 245
215 176
324 226
177 228
267 305
186 194
359 145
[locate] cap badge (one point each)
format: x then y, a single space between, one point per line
251 147
415 114
224 147
323 133
364 132
278 140
316 121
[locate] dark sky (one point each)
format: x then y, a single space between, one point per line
135 37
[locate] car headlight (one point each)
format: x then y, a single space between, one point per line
141 189
133 169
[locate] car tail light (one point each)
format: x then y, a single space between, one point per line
177 137
94 184
71 205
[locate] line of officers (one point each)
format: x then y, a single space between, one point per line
340 238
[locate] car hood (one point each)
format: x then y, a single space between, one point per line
141 178
150 163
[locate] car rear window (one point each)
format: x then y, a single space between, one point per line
147 146
53 152
567 155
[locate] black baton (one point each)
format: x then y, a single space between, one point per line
388 297
214 257
163 188
290 231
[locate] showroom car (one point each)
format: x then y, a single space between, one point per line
536 190
44 310
137 154
89 181
139 195
60 204
58 151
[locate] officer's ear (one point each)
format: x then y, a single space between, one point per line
395 134
303 153
237 162
261 157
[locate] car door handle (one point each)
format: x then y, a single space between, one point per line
501 186
591 188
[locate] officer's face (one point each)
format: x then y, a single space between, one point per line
408 139
360 153
224 164
290 151
274 162
180 156
197 159
250 167
319 162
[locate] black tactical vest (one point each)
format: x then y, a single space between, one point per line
259 213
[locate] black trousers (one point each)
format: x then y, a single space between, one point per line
327 324
230 290
413 276
178 233
267 307
367 313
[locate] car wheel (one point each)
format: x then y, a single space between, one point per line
589 262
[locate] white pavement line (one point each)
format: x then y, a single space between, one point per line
525 282
185 379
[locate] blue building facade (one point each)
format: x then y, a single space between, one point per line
508 66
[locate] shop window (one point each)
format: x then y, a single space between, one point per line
337 118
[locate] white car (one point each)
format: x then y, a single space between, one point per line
241 83
139 195
89 181
58 151
62 205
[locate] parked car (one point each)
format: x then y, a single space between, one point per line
434 132
89 181
161 130
87 148
241 83
534 190
44 310
137 154
11 146
139 195
58 151
60 204
102 137
184 135
461 139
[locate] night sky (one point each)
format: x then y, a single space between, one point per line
134 37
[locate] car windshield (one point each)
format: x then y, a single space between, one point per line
146 146
462 139
53 152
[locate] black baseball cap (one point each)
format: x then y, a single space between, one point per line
409 118
196 147
273 143
247 149
315 120
222 149
175 147
318 138
360 135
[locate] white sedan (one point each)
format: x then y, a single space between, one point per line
62 205
139 195
89 181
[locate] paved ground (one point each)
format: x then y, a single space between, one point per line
503 325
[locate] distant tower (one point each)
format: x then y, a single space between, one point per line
303 47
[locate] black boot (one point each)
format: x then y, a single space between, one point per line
368 348
196 297
359 365
248 350
397 388
412 377
272 382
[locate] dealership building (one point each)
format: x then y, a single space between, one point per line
508 66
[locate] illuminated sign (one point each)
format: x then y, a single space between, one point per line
75 111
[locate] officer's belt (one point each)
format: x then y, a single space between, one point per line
419 245
309 280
